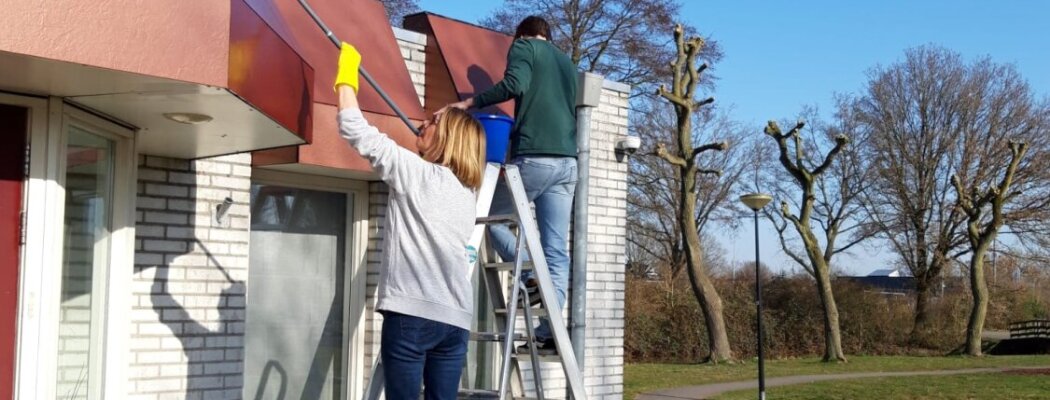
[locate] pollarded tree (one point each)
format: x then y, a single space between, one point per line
682 96
984 210
810 183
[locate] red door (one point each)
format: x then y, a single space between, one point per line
13 131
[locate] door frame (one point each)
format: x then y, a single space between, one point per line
356 275
41 266
29 104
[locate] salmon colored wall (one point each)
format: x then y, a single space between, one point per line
182 40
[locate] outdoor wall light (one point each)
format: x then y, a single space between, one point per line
628 145
220 211
188 118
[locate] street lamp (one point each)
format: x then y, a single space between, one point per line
755 201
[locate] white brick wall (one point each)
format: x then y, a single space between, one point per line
606 255
607 251
377 200
187 333
413 49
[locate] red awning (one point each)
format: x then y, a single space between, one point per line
468 56
362 23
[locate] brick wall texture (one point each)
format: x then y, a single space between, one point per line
190 277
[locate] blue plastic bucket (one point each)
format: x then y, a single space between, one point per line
497 135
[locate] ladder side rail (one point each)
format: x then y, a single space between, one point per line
534 356
527 228
484 204
508 342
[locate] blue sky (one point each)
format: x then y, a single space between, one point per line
781 55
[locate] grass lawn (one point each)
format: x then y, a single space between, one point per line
639 378
976 386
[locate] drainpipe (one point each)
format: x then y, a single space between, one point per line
588 96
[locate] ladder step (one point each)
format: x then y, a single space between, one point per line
493 336
471 394
498 219
542 357
508 266
536 312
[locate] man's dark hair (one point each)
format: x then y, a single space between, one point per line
533 26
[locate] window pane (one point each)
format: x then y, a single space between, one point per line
294 344
89 187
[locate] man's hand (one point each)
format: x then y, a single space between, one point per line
349 63
462 105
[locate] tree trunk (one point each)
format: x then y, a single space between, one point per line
922 300
832 333
711 306
706 294
979 289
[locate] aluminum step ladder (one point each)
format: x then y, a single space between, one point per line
529 257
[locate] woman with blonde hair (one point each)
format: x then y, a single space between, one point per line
424 292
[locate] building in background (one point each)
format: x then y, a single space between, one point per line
180 219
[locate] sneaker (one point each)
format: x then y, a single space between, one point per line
532 287
545 347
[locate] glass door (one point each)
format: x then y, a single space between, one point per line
89 168
296 339
77 251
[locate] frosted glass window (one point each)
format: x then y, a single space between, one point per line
295 341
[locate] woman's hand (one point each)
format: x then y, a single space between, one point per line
349 63
347 77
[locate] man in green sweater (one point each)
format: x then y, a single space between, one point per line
542 82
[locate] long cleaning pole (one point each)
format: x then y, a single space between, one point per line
368 78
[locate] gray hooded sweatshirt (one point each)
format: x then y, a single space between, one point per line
429 218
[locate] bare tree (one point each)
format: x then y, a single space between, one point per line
652 199
913 115
931 116
984 217
824 190
614 38
396 10
682 96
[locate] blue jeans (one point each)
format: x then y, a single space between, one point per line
417 351
549 183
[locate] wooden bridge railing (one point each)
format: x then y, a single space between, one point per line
1036 328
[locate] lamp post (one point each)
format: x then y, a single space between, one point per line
755 201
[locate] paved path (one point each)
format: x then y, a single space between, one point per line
708 391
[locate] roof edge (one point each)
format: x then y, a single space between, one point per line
616 86
457 20
409 36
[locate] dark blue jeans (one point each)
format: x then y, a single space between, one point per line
417 351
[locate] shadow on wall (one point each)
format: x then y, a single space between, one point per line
205 348
204 312
480 81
